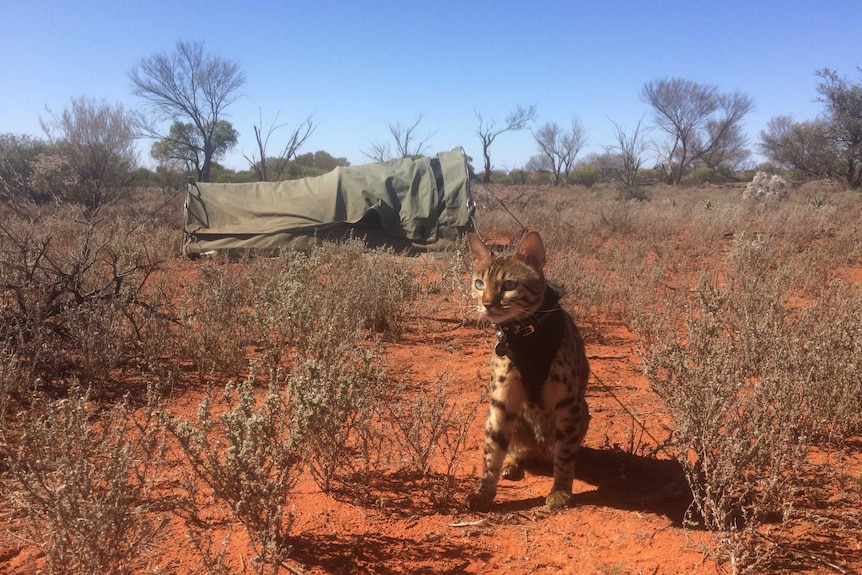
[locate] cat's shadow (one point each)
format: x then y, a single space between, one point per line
623 481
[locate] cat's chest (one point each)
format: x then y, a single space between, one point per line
531 354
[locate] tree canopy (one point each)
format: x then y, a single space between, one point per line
188 86
184 146
704 126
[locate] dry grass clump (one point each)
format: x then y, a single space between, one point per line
833 350
751 380
737 403
276 306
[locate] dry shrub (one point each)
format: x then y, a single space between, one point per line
74 292
375 287
428 427
736 388
276 305
247 455
764 187
834 351
82 480
336 391
216 317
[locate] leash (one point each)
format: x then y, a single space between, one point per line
502 205
659 445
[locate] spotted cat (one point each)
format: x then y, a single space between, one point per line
539 372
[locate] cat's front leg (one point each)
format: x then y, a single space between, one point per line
506 400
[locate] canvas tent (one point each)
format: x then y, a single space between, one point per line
416 204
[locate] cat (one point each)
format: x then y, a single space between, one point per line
539 372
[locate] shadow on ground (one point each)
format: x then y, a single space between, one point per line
379 554
623 481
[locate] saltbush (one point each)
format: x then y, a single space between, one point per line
766 188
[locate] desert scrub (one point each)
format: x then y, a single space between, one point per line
834 352
336 390
82 479
73 293
277 304
735 386
215 316
247 455
372 285
428 427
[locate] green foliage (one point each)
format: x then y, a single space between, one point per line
701 176
188 147
320 160
587 175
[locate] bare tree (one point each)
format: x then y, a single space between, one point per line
97 143
408 144
629 150
698 119
547 138
728 149
843 101
378 152
560 147
572 142
725 143
488 131
538 163
187 85
276 167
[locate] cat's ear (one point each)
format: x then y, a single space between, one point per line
532 250
478 248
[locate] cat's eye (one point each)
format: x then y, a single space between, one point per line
509 285
479 284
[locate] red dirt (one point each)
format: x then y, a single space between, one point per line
630 497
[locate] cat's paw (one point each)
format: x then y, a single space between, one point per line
479 501
511 470
558 500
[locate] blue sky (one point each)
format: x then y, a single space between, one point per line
360 66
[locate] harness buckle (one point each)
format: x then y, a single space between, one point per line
528 329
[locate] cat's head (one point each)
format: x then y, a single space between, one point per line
508 288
